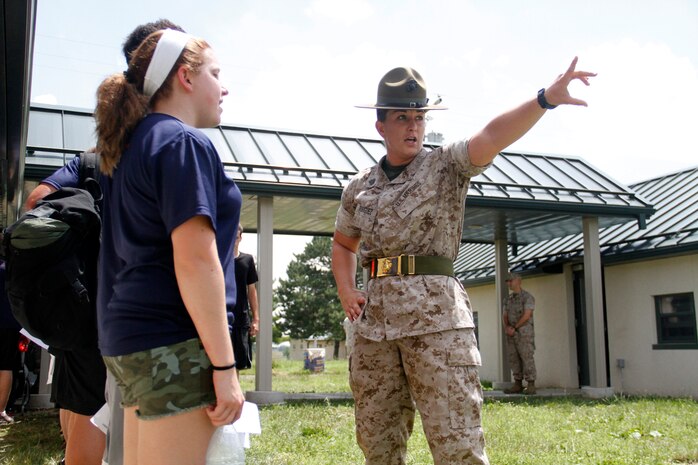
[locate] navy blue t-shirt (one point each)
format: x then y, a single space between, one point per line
169 174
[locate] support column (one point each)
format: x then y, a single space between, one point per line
501 265
593 294
265 244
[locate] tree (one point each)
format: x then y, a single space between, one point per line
308 298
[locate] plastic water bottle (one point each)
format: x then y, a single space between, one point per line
226 447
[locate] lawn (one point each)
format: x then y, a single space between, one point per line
558 431
289 376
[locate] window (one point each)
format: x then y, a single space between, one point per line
676 321
477 332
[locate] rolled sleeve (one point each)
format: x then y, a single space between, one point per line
529 302
459 152
344 222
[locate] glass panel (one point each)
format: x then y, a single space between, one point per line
303 152
322 179
513 171
273 149
561 171
496 174
676 319
529 166
358 157
45 129
218 141
244 148
377 151
331 154
79 132
241 173
47 159
596 179
234 173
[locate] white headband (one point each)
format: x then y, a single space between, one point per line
166 52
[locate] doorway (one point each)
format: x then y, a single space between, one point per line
580 327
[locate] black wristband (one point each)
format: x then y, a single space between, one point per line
543 102
223 368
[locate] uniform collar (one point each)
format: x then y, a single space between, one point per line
378 178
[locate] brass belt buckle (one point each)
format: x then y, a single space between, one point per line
392 266
386 267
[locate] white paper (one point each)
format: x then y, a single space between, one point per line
101 418
249 420
35 340
248 423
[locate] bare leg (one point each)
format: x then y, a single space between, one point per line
84 441
130 436
5 388
180 439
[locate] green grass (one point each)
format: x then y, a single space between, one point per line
289 376
532 431
34 439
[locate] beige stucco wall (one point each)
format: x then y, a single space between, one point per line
630 291
556 358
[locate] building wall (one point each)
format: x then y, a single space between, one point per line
630 291
556 359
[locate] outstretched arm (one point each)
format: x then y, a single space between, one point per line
510 126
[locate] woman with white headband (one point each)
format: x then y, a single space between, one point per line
168 212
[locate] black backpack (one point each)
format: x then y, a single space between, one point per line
51 259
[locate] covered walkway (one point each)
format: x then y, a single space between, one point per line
292 183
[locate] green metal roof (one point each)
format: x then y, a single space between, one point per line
672 230
526 197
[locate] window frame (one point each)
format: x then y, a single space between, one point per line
664 342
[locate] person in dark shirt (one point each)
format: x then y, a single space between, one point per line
9 338
243 329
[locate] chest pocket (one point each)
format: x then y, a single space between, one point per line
414 200
366 210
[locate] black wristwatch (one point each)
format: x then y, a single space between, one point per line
543 102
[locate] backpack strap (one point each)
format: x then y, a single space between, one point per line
89 167
88 175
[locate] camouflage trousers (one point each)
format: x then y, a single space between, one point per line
520 349
436 373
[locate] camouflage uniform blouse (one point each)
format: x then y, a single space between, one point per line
514 306
419 213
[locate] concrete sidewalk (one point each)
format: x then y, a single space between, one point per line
266 398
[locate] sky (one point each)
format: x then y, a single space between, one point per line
304 64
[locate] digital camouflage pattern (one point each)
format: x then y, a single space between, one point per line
521 346
435 372
414 345
165 380
419 213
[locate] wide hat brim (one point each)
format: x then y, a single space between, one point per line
396 107
402 89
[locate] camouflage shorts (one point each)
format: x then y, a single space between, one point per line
166 380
